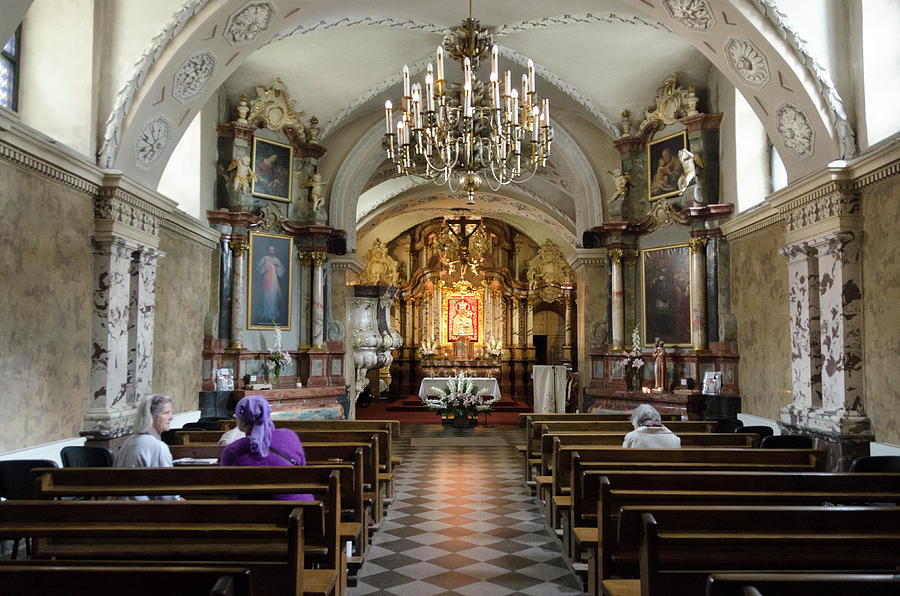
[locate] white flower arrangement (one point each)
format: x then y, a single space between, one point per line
429 348
634 359
493 348
460 398
277 358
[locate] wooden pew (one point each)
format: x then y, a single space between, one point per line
802 584
265 537
353 519
536 430
322 545
40 578
681 546
599 494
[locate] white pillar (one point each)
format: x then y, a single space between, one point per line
142 309
618 301
568 320
318 299
239 246
806 356
698 292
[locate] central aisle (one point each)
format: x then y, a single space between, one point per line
462 521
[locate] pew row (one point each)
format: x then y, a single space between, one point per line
681 546
599 494
323 540
801 584
264 537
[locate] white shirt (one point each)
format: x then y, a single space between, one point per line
144 451
652 437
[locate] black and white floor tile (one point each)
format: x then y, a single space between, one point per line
462 522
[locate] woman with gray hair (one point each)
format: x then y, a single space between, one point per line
649 430
144 449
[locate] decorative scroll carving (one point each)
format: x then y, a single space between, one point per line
271 218
748 62
273 106
381 269
672 103
837 203
549 266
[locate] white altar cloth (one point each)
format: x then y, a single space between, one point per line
425 388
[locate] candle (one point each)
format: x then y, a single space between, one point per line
535 113
495 90
467 98
440 63
388 106
531 78
494 53
429 90
547 112
405 81
515 107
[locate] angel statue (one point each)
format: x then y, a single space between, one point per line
623 181
688 165
316 198
243 174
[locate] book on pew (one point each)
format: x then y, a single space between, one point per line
196 461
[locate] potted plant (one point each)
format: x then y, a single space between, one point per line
460 401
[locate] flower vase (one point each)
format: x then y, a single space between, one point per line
276 381
460 421
632 379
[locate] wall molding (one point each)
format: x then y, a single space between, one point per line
183 226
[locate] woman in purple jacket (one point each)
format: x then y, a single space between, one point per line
264 444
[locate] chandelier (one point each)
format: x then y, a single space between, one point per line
462 243
461 134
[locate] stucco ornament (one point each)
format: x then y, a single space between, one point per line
273 105
793 126
695 15
152 142
747 62
549 266
192 76
381 269
248 22
672 102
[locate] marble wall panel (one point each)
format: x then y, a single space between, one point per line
881 307
182 304
760 302
45 308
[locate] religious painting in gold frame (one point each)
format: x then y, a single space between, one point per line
269 279
462 312
272 170
663 166
666 283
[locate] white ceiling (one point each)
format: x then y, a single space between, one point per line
594 58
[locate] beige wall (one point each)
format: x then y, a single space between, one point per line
759 290
881 307
45 308
182 303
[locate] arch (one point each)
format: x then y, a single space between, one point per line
798 105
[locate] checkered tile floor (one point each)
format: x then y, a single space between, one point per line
462 522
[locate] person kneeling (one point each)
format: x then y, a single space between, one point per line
649 430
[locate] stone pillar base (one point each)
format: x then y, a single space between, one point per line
844 435
106 425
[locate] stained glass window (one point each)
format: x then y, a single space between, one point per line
9 72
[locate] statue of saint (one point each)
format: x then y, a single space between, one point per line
659 356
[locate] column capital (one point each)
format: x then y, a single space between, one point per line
239 245
698 245
616 255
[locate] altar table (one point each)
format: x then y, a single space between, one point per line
425 388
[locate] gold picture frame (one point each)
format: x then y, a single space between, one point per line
272 170
269 281
663 166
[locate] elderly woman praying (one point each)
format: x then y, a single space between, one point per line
649 430
264 444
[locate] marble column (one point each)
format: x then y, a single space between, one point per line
698 292
806 356
436 319
488 316
568 321
318 299
840 300
109 413
239 246
529 323
141 314
515 337
618 300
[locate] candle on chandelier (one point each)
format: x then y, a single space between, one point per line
535 113
515 107
531 78
429 90
440 63
494 54
388 116
546 112
495 90
524 89
467 99
405 81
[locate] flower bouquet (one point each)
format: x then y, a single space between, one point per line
494 348
277 358
460 400
634 361
429 349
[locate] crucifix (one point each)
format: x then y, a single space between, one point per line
463 229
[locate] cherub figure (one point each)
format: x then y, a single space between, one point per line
243 174
316 198
623 181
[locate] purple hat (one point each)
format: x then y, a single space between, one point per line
254 410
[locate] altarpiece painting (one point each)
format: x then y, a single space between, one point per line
666 277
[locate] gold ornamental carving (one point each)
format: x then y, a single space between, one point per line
616 255
273 105
697 245
304 256
662 215
672 103
549 266
318 258
239 247
271 218
630 257
380 269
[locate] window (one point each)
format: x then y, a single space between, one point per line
9 72
778 178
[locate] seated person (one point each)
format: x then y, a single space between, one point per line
649 430
144 448
230 436
264 444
